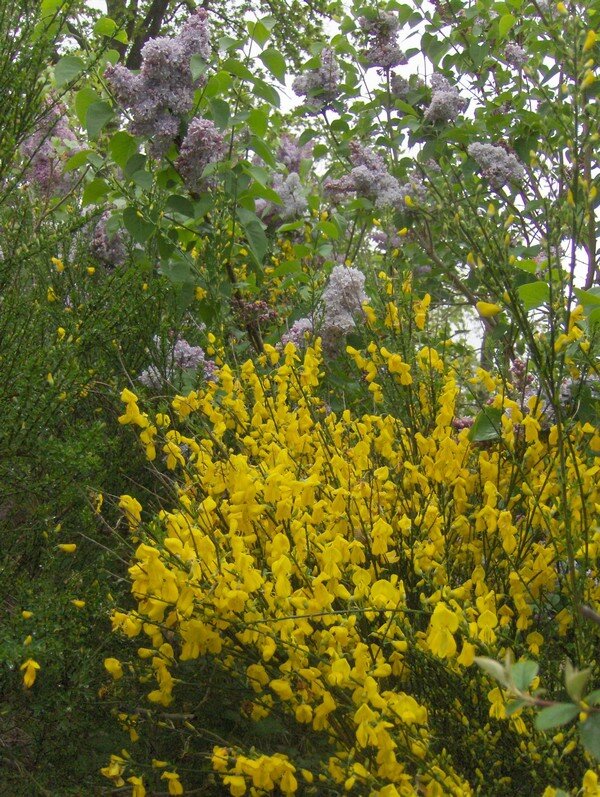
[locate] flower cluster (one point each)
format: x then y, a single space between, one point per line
343 299
42 151
108 249
497 165
382 33
291 153
370 178
446 103
297 334
163 91
293 198
344 571
253 312
320 85
515 55
182 357
203 144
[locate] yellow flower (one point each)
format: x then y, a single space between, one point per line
28 640
442 625
174 785
67 547
114 667
50 294
30 666
590 40
139 789
79 604
26 614
488 310
58 264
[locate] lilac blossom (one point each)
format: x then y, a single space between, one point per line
293 198
163 91
515 55
343 298
291 154
446 103
109 249
497 165
202 145
182 357
297 333
42 150
371 179
320 85
382 33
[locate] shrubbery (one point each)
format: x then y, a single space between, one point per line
345 556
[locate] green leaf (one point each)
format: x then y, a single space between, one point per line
122 147
522 674
255 234
264 192
134 164
593 699
534 294
258 32
178 270
235 67
576 681
220 112
143 179
93 191
487 425
98 114
105 26
83 99
275 63
556 715
181 205
262 150
198 66
505 23
139 229
77 160
591 297
268 93
589 732
218 84
67 69
514 705
258 121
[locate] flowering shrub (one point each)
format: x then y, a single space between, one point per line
344 571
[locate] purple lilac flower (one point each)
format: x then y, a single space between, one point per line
182 357
163 91
382 33
446 103
515 55
107 248
497 165
291 154
297 333
292 196
371 179
202 145
343 298
45 167
320 86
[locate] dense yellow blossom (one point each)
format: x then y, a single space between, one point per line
324 558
